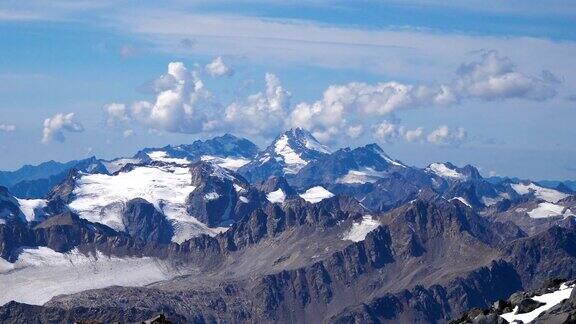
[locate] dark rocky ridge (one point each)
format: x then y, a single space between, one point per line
223 146
431 259
563 312
380 279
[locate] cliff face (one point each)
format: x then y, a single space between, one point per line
427 262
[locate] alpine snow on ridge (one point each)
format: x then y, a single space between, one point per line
220 232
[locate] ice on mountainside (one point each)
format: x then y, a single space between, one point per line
316 194
277 196
292 159
489 201
100 197
117 164
32 208
365 175
163 157
547 209
443 171
231 163
211 196
42 273
550 195
462 200
359 231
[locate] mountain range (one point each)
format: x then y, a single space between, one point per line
220 231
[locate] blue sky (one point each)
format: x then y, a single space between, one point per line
491 83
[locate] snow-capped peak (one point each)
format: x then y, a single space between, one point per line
307 139
227 151
446 170
291 158
295 148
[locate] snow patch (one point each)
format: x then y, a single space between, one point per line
489 201
441 170
391 161
231 163
115 165
211 196
316 194
238 188
551 299
292 159
42 273
222 173
277 196
547 209
462 200
550 195
359 231
162 156
101 198
32 208
314 145
365 175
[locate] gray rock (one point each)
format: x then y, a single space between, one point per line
527 305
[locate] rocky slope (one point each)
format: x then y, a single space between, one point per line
554 302
287 155
425 262
297 234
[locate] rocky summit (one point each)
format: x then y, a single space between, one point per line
218 231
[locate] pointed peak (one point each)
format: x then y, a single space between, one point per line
445 170
375 148
303 138
228 136
298 132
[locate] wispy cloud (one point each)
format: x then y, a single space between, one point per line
17 15
404 53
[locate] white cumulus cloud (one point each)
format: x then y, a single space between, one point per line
218 68
492 77
179 106
444 136
183 105
391 132
116 113
414 135
388 132
55 127
261 113
361 101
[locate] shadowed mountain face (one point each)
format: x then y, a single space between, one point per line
221 146
295 234
424 262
